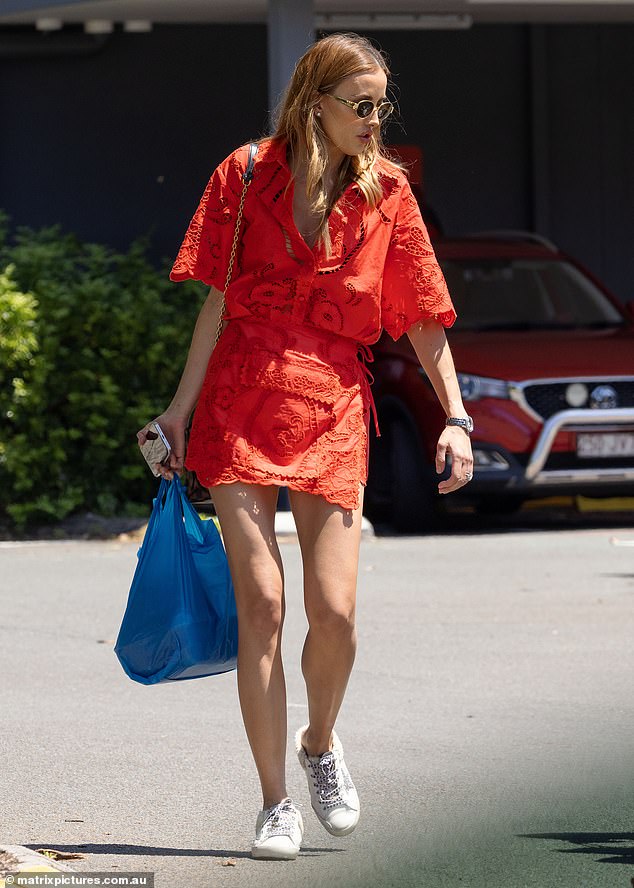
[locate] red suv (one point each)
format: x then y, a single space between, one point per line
545 360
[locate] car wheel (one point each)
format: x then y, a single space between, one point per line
499 505
400 489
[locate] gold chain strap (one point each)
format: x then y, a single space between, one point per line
232 255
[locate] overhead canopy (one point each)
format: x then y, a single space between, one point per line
360 14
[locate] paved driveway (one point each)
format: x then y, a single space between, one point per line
489 721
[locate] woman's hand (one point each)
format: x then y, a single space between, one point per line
173 427
455 441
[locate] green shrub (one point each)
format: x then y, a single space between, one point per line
92 344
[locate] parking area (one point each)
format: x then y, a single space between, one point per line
487 724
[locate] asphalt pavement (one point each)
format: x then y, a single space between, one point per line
488 724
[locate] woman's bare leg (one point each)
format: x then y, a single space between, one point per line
247 517
329 537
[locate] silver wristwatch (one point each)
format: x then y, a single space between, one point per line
465 422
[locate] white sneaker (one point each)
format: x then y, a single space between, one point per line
278 832
333 796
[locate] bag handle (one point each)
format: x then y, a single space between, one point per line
247 178
189 515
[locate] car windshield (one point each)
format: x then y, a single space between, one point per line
525 294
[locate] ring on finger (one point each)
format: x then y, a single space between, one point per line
468 476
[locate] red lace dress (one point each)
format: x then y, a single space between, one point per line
286 399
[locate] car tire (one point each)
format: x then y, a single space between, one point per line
400 489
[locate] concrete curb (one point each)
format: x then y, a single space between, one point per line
27 860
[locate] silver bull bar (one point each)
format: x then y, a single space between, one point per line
576 421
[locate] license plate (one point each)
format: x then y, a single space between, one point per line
605 444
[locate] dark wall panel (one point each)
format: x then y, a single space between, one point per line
591 122
463 98
122 142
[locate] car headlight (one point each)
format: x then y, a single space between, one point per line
473 388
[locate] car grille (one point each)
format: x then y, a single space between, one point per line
550 397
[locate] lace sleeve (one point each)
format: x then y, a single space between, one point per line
204 253
414 286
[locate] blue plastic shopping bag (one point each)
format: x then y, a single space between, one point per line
180 620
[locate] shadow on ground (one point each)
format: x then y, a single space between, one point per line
596 844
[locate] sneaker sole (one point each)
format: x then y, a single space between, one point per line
266 854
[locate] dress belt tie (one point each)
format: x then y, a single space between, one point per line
367 356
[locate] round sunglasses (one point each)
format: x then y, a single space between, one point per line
365 108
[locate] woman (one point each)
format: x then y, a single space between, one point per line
333 249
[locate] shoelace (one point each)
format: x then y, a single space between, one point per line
280 820
326 780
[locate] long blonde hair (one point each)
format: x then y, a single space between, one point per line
324 65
